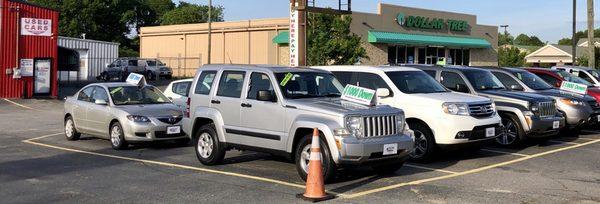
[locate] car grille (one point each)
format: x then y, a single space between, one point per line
170 120
594 104
377 126
547 109
481 110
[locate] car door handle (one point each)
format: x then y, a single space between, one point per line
215 102
246 105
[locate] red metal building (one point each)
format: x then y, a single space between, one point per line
28 50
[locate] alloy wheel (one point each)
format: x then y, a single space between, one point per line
205 145
69 128
509 135
421 145
305 158
115 136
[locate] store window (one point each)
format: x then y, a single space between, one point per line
401 54
458 57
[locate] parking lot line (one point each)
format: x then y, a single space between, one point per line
585 138
563 142
472 171
430 169
503 152
20 105
33 142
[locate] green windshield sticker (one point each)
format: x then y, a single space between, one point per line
116 90
286 79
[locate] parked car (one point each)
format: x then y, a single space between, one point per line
438 117
156 69
274 109
121 68
579 110
555 78
586 73
123 113
178 92
524 115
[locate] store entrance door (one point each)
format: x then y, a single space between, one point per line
42 76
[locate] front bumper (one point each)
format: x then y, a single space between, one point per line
151 131
446 130
577 116
544 127
354 151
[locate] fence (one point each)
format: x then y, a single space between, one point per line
183 67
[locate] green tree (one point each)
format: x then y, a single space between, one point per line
505 39
511 57
523 39
330 41
565 41
187 13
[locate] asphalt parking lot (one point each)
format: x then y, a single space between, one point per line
40 165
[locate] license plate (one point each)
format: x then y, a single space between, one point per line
556 125
389 149
490 132
173 130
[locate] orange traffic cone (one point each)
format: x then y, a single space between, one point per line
315 186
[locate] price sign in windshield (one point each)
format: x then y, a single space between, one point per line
573 87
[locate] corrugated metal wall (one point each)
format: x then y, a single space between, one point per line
29 47
99 53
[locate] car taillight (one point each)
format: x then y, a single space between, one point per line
187 107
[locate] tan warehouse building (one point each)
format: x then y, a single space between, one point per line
394 35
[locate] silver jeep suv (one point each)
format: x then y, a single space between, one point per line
274 109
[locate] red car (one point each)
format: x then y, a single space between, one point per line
556 77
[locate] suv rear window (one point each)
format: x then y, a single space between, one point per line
231 83
132 63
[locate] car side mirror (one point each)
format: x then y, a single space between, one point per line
100 102
462 88
265 95
516 87
383 92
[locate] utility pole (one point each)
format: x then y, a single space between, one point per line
591 44
573 40
209 30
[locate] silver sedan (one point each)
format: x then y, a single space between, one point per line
124 113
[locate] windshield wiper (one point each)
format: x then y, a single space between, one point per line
332 95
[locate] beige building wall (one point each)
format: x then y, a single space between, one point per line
184 47
385 20
549 54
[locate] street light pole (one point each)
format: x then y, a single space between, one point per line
591 44
209 30
573 40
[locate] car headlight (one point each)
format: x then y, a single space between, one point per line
400 123
534 108
572 102
354 125
456 108
138 118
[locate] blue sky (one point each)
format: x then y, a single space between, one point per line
548 19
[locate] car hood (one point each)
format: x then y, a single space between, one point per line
439 98
337 106
555 93
514 95
152 110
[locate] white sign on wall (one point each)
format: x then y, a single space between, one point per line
294 32
26 66
36 27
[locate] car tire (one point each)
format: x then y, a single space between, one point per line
209 150
168 77
70 130
388 168
425 146
301 160
513 132
117 137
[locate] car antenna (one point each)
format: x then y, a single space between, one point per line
229 57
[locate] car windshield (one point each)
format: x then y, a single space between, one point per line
483 80
572 78
411 82
133 95
595 73
296 85
151 63
532 81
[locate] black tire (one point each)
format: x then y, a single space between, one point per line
388 168
513 134
168 77
329 167
151 76
71 132
216 154
425 145
117 141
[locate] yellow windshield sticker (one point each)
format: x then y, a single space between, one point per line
116 90
286 79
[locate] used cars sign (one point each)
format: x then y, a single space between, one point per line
573 87
36 27
358 95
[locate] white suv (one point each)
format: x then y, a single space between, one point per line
438 116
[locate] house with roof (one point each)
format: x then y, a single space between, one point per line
554 54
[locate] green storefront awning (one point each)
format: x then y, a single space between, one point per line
282 38
416 39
